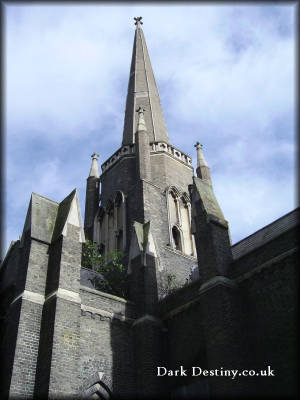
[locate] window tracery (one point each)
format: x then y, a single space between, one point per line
110 231
179 212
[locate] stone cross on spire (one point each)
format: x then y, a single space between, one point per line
141 126
94 168
138 21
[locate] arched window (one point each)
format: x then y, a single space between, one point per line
173 206
179 212
102 229
176 238
119 221
185 213
110 226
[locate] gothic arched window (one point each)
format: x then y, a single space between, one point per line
185 212
179 212
110 227
119 220
102 233
176 238
110 232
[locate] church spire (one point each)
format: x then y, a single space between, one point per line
143 92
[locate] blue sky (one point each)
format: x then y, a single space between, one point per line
226 77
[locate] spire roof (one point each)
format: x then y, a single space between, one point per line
143 92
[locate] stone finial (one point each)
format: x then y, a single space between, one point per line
141 126
201 162
197 145
202 166
138 21
95 155
94 172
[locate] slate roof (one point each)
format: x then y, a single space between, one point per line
266 234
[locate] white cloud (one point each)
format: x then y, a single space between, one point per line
251 201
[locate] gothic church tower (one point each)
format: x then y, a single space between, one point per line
144 184
61 337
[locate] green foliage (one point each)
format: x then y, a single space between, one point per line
91 257
172 285
171 282
112 271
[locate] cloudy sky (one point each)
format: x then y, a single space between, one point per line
226 76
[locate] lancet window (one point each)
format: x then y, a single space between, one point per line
110 230
179 212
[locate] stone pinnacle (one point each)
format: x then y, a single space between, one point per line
94 172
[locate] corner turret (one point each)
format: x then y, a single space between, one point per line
209 225
92 197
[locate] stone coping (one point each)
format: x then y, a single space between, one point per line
107 295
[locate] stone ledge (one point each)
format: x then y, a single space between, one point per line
105 314
216 281
104 294
64 294
148 318
179 253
